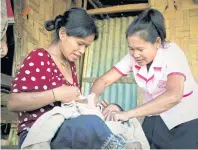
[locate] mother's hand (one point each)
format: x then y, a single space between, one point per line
66 93
83 101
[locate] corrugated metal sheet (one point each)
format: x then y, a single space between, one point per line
103 54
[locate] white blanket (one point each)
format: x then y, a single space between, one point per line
44 129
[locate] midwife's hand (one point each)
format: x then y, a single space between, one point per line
104 103
107 111
118 116
110 108
66 93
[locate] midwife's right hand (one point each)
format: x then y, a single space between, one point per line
108 110
66 93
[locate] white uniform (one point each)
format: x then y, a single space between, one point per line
169 60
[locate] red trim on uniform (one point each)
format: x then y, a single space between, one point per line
157 68
145 79
119 71
150 78
177 73
139 75
186 95
137 67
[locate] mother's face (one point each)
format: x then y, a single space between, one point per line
74 47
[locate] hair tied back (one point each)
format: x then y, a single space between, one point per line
54 24
58 22
49 25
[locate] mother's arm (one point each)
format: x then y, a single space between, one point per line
28 101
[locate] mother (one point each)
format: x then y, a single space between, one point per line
48 78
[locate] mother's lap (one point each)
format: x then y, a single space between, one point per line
85 131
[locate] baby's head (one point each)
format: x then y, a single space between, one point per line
110 107
117 107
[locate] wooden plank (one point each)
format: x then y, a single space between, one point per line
78 3
69 4
4 97
6 80
122 80
84 69
92 3
10 147
80 67
120 8
8 116
85 4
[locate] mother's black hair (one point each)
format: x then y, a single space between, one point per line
148 25
77 21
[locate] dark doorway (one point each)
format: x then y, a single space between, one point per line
108 3
7 61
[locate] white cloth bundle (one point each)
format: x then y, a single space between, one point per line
47 125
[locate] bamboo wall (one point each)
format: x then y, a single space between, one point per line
30 32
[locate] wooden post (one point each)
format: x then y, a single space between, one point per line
78 3
120 8
85 4
95 7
